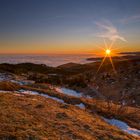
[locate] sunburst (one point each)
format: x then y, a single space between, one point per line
108 51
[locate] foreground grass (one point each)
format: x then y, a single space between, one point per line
131 115
37 118
8 86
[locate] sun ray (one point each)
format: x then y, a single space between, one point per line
101 64
108 51
100 47
111 61
111 45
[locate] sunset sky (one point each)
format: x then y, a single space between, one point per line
68 26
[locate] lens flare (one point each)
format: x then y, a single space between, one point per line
108 51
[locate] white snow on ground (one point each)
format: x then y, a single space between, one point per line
32 93
81 105
8 77
28 92
5 77
22 82
11 78
54 98
70 92
18 93
41 94
123 126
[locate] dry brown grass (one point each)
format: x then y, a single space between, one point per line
31 117
8 86
131 115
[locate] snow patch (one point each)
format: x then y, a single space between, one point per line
54 98
41 94
81 105
123 126
70 92
22 82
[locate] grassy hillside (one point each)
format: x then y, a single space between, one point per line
37 118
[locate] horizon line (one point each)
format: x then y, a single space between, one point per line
62 53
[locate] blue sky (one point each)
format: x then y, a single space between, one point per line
67 25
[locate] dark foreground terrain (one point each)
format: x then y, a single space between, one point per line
121 86
33 105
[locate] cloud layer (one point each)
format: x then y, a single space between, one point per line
133 18
108 31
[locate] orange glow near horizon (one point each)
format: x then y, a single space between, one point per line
91 48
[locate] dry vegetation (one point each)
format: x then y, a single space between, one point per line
8 86
129 114
32 117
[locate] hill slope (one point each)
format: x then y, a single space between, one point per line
35 117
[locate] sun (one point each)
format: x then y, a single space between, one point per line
107 51
108 55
